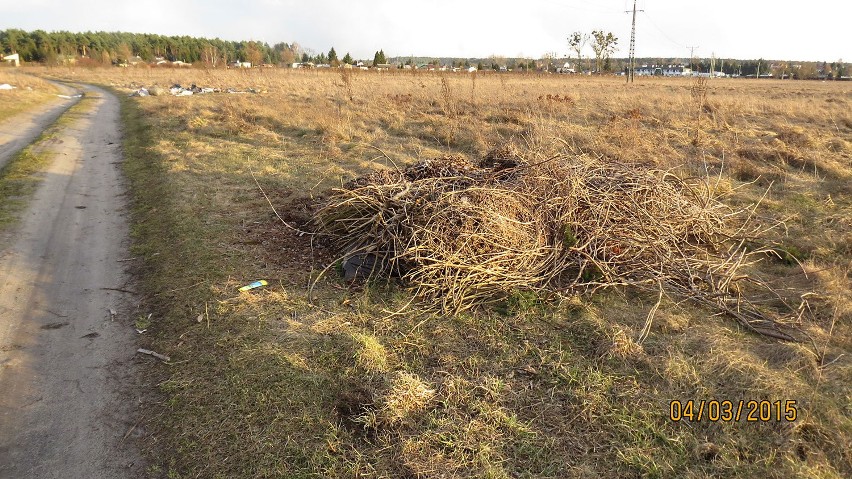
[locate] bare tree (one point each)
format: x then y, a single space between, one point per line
577 41
253 53
123 53
210 55
780 70
547 61
603 45
288 56
297 50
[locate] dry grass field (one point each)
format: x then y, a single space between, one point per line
352 383
29 92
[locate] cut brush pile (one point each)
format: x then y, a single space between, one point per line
462 234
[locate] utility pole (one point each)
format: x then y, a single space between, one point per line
631 66
692 56
712 63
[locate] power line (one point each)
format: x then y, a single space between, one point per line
589 7
657 27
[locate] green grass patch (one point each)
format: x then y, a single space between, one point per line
18 181
20 177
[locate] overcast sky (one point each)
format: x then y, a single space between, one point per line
803 30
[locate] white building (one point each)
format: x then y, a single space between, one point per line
677 71
663 70
566 68
14 59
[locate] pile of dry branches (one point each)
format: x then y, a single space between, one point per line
463 234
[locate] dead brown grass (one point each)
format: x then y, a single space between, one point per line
30 91
464 235
274 385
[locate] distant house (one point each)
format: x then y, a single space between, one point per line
382 66
566 67
646 70
179 63
239 64
663 70
13 59
676 71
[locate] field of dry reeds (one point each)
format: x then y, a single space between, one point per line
317 376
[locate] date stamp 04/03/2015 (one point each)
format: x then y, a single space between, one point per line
732 411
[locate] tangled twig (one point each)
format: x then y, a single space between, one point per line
463 235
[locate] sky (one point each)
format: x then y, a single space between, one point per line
816 30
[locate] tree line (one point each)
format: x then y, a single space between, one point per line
119 47
778 69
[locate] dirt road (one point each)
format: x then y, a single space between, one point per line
67 363
20 130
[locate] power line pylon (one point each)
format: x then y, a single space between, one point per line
631 63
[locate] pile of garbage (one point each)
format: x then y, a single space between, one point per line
463 234
6 86
178 90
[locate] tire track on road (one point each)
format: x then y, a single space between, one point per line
66 364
